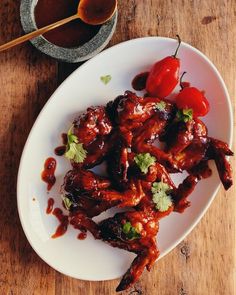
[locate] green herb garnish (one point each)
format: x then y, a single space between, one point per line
130 231
184 115
67 202
74 149
161 106
105 79
161 197
144 161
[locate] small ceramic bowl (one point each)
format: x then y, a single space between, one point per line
72 55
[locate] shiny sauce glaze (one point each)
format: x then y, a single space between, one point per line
50 205
201 170
64 138
62 227
70 35
60 150
47 174
82 236
139 81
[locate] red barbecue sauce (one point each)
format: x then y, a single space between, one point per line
50 206
64 138
63 219
202 170
60 150
48 172
139 81
70 35
82 236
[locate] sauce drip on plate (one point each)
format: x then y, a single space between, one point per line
48 172
63 219
50 206
60 150
139 81
82 236
70 35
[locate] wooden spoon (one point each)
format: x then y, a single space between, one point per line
93 12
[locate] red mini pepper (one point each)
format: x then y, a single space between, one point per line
192 98
164 75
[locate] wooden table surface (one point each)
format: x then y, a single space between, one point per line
203 264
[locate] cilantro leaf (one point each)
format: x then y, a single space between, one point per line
161 106
163 202
161 197
74 149
130 231
144 161
126 227
67 202
105 79
160 186
184 115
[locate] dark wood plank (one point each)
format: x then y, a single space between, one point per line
27 79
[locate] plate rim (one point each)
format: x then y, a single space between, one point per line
196 219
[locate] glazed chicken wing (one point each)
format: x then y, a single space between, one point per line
79 185
133 231
130 110
191 147
125 129
218 151
93 129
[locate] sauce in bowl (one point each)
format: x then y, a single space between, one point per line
73 34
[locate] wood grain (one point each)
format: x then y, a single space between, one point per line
203 264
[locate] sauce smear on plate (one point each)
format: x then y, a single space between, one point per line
70 35
50 206
82 236
139 81
60 150
48 172
63 219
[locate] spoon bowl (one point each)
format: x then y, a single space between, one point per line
96 12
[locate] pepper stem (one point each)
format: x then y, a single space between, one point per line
180 81
177 49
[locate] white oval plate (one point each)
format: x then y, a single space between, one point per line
91 259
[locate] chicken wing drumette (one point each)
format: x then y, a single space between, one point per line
93 129
79 185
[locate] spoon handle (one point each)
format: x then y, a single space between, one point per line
37 33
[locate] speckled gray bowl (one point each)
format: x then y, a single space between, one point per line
72 55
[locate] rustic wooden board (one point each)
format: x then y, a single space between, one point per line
204 262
